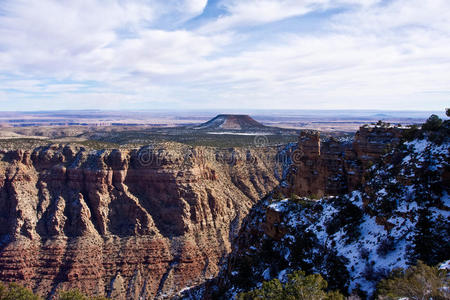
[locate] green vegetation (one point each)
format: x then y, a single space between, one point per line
186 136
303 202
383 124
349 217
97 140
27 144
14 291
294 197
435 128
412 132
416 282
30 144
278 195
298 287
427 241
432 124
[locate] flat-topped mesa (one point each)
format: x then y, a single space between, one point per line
231 122
332 167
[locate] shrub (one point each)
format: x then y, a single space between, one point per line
430 243
304 203
387 245
270 290
72 295
77 295
416 282
334 295
294 197
337 274
278 195
16 292
349 217
364 253
432 124
412 133
299 286
245 273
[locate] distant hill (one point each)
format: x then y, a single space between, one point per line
232 122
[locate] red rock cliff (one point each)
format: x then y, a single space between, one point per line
332 167
121 224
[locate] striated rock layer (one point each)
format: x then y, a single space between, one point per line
148 223
398 216
333 167
124 223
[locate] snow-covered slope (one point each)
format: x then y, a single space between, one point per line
401 214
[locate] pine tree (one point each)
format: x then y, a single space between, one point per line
16 292
298 287
417 282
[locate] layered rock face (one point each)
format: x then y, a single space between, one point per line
399 215
127 224
147 223
332 167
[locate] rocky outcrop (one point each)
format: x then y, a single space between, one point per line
333 167
398 216
149 222
124 223
372 141
273 227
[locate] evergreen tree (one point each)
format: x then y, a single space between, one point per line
77 295
298 287
432 124
417 282
431 239
16 292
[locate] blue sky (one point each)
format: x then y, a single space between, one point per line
224 54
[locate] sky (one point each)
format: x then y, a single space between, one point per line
224 54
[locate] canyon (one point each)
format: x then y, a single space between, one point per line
397 217
148 223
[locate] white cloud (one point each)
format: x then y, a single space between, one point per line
194 7
375 54
257 12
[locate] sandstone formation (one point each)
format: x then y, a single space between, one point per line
332 167
124 223
147 223
399 215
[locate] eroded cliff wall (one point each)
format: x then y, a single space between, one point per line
150 222
124 223
332 167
